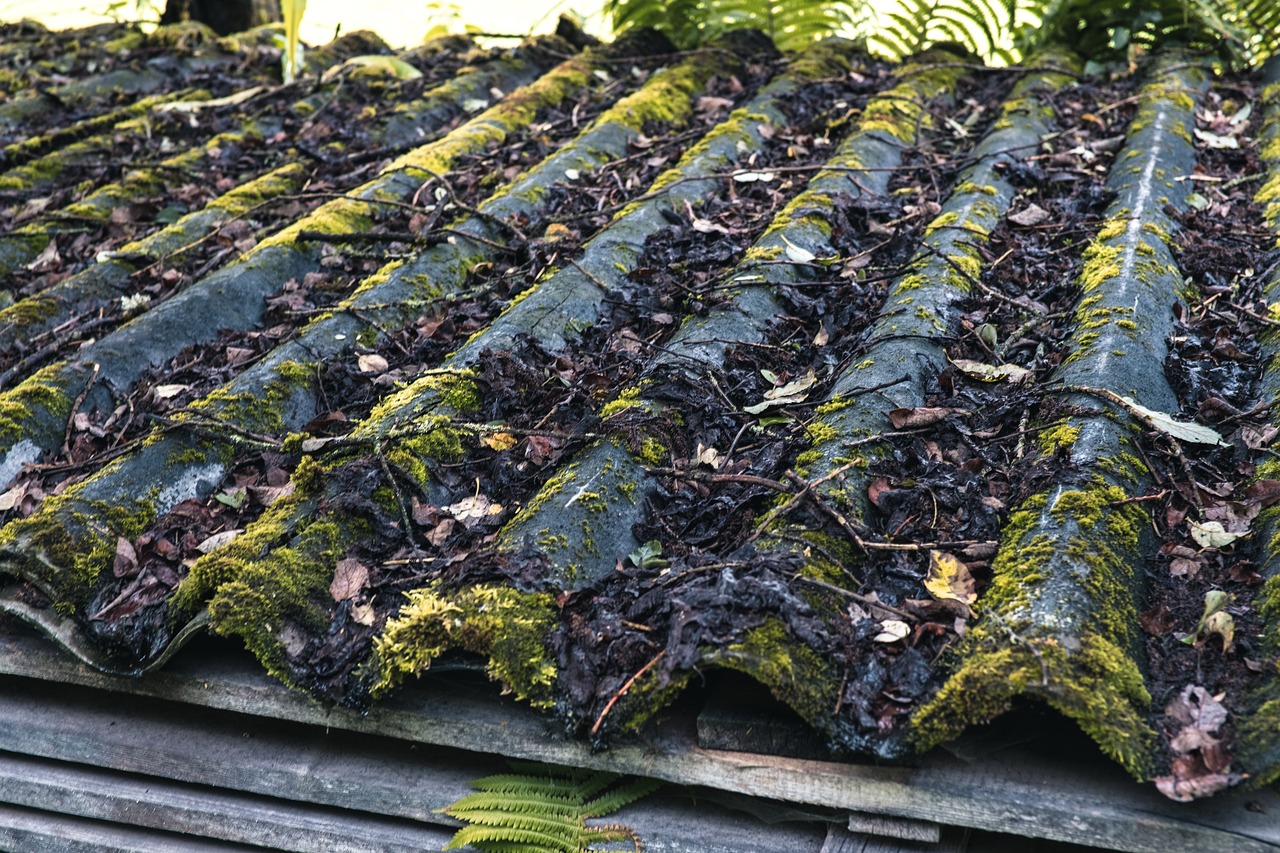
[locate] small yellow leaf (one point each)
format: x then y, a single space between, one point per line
948 578
499 441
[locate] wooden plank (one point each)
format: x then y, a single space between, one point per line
841 840
340 771
31 831
158 804
1084 801
901 828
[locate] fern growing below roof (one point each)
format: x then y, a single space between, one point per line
545 810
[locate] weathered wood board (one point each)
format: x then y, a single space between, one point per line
1086 802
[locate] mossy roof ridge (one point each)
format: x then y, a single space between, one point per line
384 304
1060 620
421 119
572 295
232 296
1260 744
1077 545
194 49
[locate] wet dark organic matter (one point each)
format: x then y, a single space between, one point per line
913 392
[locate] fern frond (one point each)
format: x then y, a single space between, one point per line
482 836
545 810
619 797
513 802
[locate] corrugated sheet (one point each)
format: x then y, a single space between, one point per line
891 387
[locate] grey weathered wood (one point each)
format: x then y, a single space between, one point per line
840 840
30 831
904 829
1087 801
113 797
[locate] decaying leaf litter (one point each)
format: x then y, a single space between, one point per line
725 449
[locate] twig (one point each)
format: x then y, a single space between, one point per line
613 700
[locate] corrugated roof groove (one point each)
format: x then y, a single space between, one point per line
1060 619
421 120
390 300
609 467
427 408
1259 744
20 247
232 297
900 358
203 52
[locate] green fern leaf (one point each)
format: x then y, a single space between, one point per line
544 811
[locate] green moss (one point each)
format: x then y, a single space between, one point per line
511 628
762 253
627 398
69 541
1098 686
835 404
970 187
259 411
267 598
224 565
793 672
942 220
41 396
1053 439
652 451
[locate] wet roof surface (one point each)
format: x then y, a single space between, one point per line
911 392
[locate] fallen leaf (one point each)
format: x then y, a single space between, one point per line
1181 430
892 630
993 373
349 577
782 395
1214 140
372 363
471 511
126 561
796 253
1195 787
948 578
1195 706
752 177
877 488
1263 492
164 392
13 497
1223 624
920 417
1033 215
1211 534
217 540
499 441
363 614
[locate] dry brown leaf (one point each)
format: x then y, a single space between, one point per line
371 363
217 540
349 577
920 417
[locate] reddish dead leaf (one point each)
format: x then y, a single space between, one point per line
1184 790
349 577
1263 492
126 562
1157 621
267 495
921 417
1184 567
876 490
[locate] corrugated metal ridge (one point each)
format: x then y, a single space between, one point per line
344 580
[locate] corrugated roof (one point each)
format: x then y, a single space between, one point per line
913 392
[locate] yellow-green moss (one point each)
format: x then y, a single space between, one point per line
627 398
511 628
41 395
792 671
68 542
1098 686
1057 438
